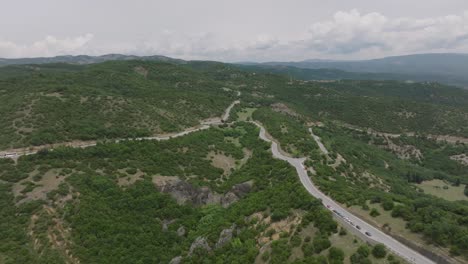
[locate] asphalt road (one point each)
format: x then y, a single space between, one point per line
350 221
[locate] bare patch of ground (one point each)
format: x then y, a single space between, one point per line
338 161
462 158
402 152
282 108
220 160
449 139
129 179
375 181
162 181
276 228
406 114
50 181
141 70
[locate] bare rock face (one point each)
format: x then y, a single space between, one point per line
166 223
225 237
176 260
181 231
200 242
241 189
184 192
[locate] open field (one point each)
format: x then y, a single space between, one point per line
444 190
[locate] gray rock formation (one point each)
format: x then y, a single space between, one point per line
200 242
184 192
181 231
225 237
176 260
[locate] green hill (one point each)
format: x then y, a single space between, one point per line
44 104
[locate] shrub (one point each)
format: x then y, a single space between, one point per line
379 251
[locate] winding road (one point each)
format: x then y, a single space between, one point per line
350 221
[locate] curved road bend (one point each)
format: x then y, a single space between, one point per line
350 219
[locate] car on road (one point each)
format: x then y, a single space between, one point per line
358 227
367 233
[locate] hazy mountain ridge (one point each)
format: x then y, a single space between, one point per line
86 59
448 68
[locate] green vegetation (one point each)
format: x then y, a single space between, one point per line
105 204
444 189
108 100
289 131
110 223
379 251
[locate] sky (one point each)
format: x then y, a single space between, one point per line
235 30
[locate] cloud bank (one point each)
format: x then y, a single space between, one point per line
346 35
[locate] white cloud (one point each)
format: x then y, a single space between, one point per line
352 32
347 34
49 46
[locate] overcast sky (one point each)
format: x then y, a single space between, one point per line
234 30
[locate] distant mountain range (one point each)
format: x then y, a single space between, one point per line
448 68
451 68
85 59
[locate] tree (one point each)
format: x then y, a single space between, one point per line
363 250
387 204
379 251
335 255
374 212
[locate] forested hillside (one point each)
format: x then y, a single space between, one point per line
59 102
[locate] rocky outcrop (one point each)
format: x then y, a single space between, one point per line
225 237
181 231
176 260
184 193
166 223
199 243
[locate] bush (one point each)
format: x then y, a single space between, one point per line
363 250
335 255
321 243
374 212
379 251
387 205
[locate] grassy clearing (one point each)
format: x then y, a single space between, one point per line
443 190
396 225
245 114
